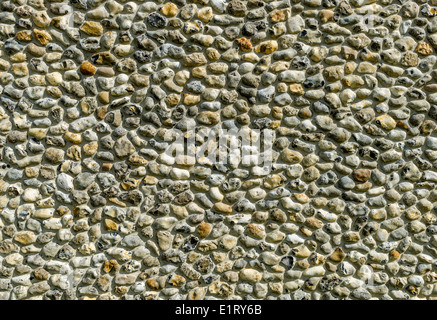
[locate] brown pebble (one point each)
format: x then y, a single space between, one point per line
103 97
362 175
244 44
106 166
88 69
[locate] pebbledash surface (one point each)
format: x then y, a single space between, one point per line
337 204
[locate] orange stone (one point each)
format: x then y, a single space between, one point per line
106 166
362 175
152 284
110 225
169 9
101 112
394 255
423 48
177 280
92 28
204 229
244 44
110 265
402 125
296 89
24 36
42 36
267 47
338 255
103 97
326 15
280 15
305 113
88 69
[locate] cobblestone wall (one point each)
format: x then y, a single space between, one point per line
215 149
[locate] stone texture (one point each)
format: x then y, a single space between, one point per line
97 98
